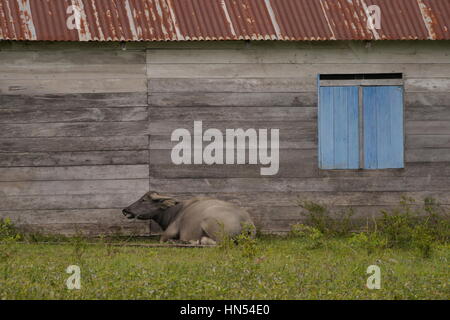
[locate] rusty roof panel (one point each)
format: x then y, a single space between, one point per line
299 20
149 19
401 17
251 19
436 15
200 20
347 20
181 20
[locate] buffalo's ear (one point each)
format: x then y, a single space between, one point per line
165 202
168 203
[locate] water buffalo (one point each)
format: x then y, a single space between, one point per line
198 220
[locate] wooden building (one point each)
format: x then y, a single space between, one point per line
86 126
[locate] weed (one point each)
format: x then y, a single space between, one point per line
8 232
224 240
410 225
371 241
327 221
36 237
422 239
246 241
312 236
79 244
9 236
406 226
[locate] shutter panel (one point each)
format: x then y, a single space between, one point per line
383 127
338 128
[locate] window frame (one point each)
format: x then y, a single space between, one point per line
360 81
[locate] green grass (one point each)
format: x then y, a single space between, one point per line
271 268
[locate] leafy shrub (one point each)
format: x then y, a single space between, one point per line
246 240
224 241
327 221
406 226
437 218
8 232
423 240
37 237
312 236
372 241
410 226
79 244
8 237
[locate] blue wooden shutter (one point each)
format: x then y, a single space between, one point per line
383 127
338 128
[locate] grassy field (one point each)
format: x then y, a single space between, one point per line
269 268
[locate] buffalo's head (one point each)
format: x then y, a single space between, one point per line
149 205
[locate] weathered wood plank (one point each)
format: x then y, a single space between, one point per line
35 56
70 72
342 184
227 171
426 99
289 70
288 140
74 100
61 202
294 56
284 216
51 159
64 144
349 52
412 169
39 115
166 85
108 216
427 113
300 99
138 186
292 163
294 214
428 155
233 113
75 129
299 84
57 86
86 229
428 127
289 156
427 141
286 128
427 85
107 172
289 199
292 139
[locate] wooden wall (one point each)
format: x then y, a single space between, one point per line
73 144
86 128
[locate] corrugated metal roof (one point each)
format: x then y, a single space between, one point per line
179 20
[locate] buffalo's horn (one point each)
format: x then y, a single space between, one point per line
155 196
